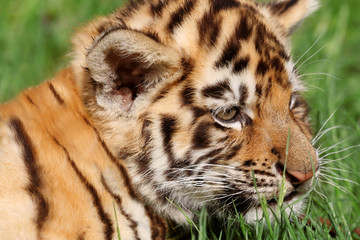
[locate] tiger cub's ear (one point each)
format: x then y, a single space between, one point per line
290 13
125 64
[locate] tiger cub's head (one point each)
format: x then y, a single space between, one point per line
201 100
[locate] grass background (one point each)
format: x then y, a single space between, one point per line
35 39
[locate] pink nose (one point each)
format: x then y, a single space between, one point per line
300 176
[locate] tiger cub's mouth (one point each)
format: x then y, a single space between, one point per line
288 198
293 202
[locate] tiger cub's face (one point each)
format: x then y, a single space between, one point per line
201 100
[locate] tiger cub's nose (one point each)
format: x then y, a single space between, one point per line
295 177
299 177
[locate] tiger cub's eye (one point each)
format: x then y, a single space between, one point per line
227 115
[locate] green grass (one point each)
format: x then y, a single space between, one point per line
35 39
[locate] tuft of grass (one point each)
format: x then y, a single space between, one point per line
35 39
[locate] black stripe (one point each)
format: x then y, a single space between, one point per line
233 151
158 226
103 27
214 161
262 68
143 159
153 35
214 32
207 156
145 132
161 94
280 74
143 165
204 25
242 32
268 87
33 169
244 29
220 127
282 7
244 93
87 70
216 91
258 90
279 78
277 64
187 68
199 112
121 21
260 172
187 95
30 100
267 185
172 173
201 138
219 5
240 181
209 28
250 9
133 224
178 17
168 129
56 94
223 139
125 153
283 54
258 109
131 8
241 64
120 167
266 43
157 9
217 155
104 217
260 40
229 53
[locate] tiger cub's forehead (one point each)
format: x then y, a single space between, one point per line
248 60
234 45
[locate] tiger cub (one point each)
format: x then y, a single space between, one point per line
166 103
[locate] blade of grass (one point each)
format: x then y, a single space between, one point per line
117 223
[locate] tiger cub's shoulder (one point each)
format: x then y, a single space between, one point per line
58 178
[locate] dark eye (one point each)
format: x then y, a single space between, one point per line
227 115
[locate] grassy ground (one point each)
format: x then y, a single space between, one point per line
35 38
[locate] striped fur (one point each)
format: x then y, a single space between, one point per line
64 184
135 123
